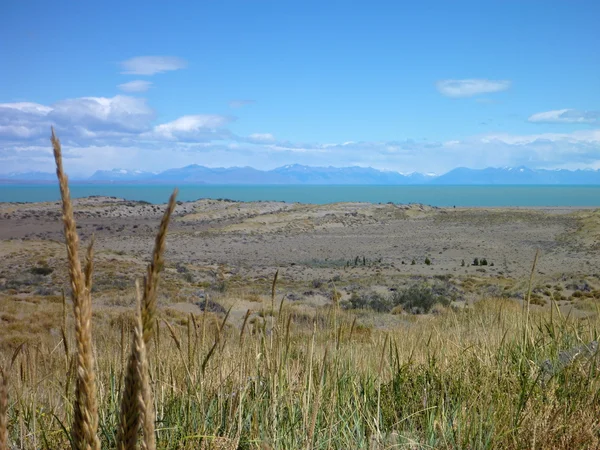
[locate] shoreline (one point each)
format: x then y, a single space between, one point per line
490 196
117 200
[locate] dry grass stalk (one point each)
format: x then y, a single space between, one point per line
85 422
190 345
64 310
63 332
528 301
273 287
122 344
352 329
174 336
89 265
3 411
147 313
317 403
129 419
204 311
246 316
195 325
146 403
154 268
136 403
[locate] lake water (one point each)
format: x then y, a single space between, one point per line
524 196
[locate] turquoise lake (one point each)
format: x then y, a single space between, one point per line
523 196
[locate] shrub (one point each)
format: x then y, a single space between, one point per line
483 262
427 261
420 298
537 300
41 270
371 300
317 283
476 262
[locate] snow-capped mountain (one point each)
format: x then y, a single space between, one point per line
120 175
518 175
300 174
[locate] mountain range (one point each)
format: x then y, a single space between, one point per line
299 174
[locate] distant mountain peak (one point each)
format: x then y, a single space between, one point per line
354 175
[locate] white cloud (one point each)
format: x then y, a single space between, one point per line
240 103
135 86
262 137
189 141
471 87
103 133
27 108
566 116
87 117
576 137
197 126
23 120
150 65
119 113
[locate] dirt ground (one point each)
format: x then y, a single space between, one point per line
231 250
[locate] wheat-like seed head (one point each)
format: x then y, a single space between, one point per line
173 335
85 422
155 266
145 401
129 419
89 265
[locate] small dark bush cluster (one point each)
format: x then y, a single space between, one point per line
41 270
481 262
363 261
371 300
317 283
420 298
416 299
211 306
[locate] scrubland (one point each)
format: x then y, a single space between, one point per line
332 351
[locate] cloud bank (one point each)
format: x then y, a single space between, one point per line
240 103
566 116
122 131
150 65
471 87
135 86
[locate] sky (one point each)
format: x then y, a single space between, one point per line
422 86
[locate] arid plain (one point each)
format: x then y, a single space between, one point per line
231 250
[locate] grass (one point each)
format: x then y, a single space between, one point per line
464 378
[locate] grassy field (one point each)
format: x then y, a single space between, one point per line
495 374
463 379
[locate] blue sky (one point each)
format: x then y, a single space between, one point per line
407 86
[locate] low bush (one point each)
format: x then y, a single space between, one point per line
371 300
420 298
41 270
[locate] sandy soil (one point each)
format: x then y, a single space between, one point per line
235 248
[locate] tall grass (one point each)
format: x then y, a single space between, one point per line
473 378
